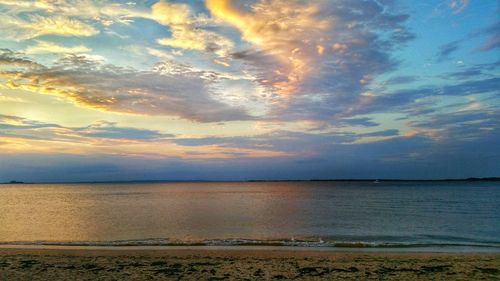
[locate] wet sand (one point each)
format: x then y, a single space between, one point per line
242 264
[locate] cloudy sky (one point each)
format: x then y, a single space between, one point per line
249 89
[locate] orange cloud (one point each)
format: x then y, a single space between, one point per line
339 46
321 50
289 31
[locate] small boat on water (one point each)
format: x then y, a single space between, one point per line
376 181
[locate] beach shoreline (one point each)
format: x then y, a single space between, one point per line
236 248
22 263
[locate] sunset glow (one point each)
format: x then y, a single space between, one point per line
264 89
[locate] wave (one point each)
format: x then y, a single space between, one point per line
318 243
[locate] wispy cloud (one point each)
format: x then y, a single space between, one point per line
493 37
35 26
90 83
447 50
405 99
103 12
11 58
457 6
43 47
21 127
24 136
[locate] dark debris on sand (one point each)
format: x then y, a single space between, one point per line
53 267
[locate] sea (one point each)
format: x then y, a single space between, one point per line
333 215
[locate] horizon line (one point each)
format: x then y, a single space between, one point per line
263 180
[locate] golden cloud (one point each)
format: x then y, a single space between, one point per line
171 13
168 89
288 30
20 29
100 11
185 32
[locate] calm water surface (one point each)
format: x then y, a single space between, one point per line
277 213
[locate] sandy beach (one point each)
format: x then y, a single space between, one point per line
242 264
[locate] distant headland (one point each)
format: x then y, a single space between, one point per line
14 182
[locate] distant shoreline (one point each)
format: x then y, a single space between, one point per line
473 179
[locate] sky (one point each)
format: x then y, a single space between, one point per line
249 89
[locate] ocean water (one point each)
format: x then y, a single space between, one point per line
306 214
